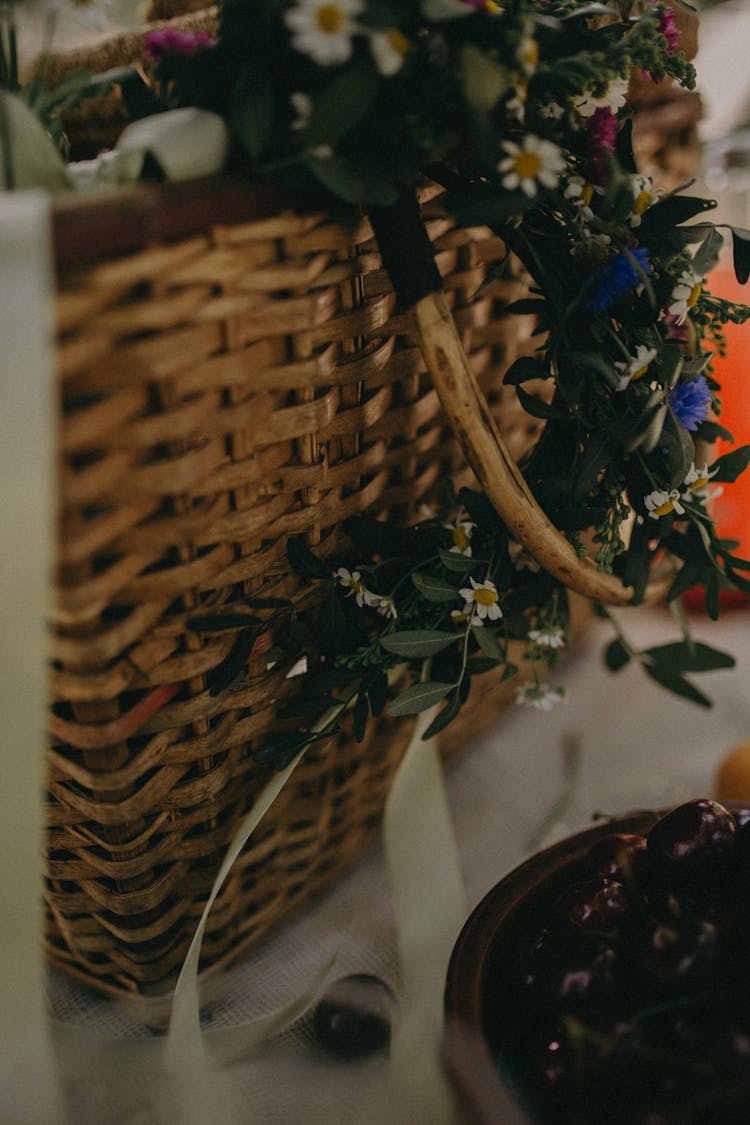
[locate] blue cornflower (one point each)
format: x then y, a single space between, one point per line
616 278
690 401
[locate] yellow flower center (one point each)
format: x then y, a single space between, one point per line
355 585
460 538
527 165
398 41
482 596
531 52
665 508
642 202
640 372
491 7
695 293
587 192
330 18
701 482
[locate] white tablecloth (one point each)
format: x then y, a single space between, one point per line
637 747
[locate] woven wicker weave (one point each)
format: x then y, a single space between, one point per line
231 373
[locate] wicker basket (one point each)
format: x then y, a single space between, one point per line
231 373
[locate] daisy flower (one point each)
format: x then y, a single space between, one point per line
389 50
534 162
613 99
461 535
323 29
351 581
482 600
644 196
528 52
541 696
386 606
696 484
516 105
549 636
580 193
661 503
636 366
684 295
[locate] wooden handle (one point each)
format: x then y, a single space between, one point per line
495 469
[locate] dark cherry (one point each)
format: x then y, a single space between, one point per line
622 856
593 904
571 971
693 843
353 1019
677 952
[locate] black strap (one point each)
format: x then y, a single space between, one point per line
406 249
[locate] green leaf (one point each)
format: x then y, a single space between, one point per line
231 668
731 464
537 407
616 655
377 691
741 253
708 252
711 431
677 684
458 563
434 589
679 446
445 716
534 306
340 105
509 672
303 561
339 177
672 211
525 367
417 642
252 112
488 643
418 697
305 705
687 657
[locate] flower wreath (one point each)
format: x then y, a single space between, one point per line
520 110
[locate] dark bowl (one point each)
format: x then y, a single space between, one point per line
478 979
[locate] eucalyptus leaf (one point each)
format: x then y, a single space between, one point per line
537 407
28 158
729 467
489 644
524 368
418 697
458 563
616 655
677 684
445 716
687 657
741 253
340 106
434 589
708 252
417 642
360 716
304 561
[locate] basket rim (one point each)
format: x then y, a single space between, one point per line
89 227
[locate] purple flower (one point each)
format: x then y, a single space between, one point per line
691 401
615 279
156 44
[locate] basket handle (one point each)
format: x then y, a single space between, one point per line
497 472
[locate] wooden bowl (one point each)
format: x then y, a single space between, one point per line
477 981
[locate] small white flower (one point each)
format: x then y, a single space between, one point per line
386 606
352 581
552 110
323 29
541 697
320 152
644 196
661 502
535 161
613 99
549 636
461 531
684 295
516 106
389 50
528 51
636 366
696 484
302 106
580 193
481 600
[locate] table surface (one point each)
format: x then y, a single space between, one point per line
627 744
